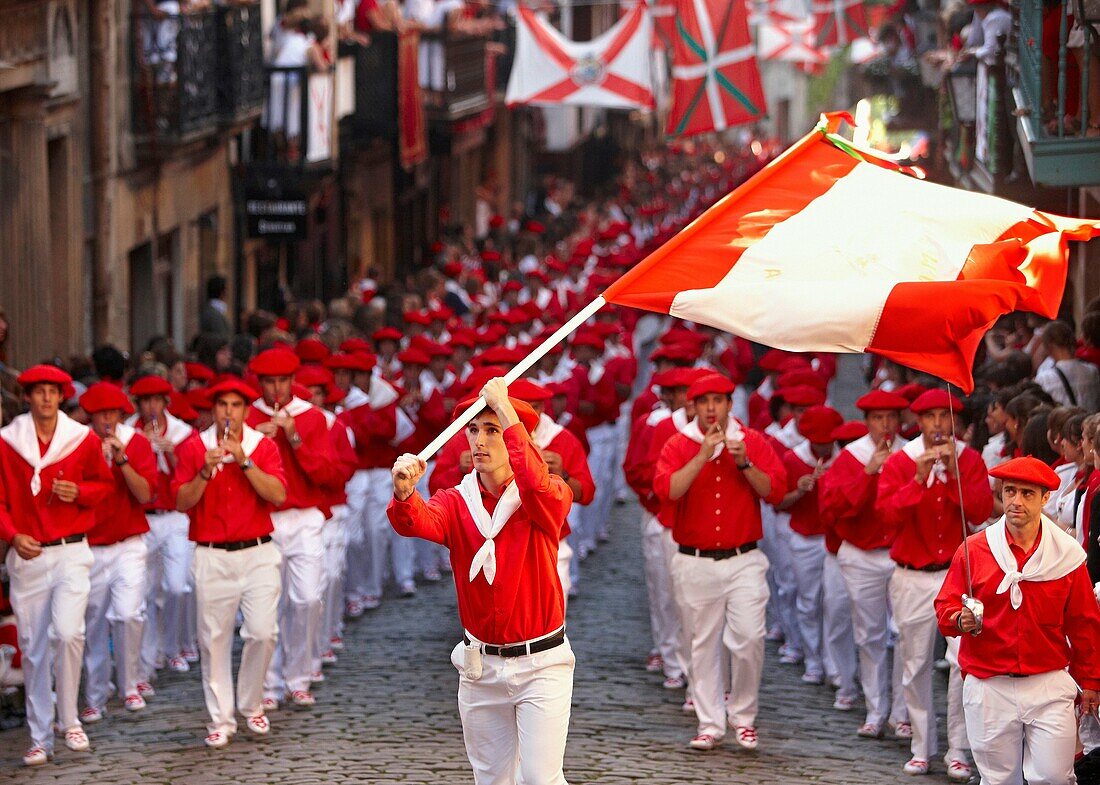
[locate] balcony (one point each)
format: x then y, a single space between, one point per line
296 128
457 76
974 120
376 79
23 42
1047 87
195 72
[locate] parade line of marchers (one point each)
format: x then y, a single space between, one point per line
769 510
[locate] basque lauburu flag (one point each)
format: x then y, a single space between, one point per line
829 248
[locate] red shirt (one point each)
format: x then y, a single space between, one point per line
925 520
346 461
525 600
229 508
805 517
574 462
446 473
1033 638
373 429
720 510
120 515
643 404
601 394
163 497
308 467
637 466
846 499
45 517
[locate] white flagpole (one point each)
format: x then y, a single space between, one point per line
521 368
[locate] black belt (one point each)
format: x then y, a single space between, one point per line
64 540
523 649
1018 675
236 545
158 512
720 553
926 568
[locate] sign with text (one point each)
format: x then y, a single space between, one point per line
277 219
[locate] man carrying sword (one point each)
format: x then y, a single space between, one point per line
1035 615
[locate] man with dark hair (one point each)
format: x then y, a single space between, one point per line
1069 381
110 364
214 316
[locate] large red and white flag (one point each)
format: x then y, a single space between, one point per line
838 22
715 81
612 70
829 248
781 37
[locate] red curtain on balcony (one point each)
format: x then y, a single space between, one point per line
411 140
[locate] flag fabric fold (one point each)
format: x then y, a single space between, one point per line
833 249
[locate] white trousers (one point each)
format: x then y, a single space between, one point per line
911 595
334 539
168 589
722 607
565 560
372 541
838 646
515 718
1022 729
49 595
226 581
664 616
299 537
867 576
777 547
808 554
601 460
115 618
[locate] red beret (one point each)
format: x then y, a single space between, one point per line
349 362
536 227
311 350
355 345
417 317
683 335
197 372
527 390
669 378
910 392
500 355
790 379
528 416
476 380
880 399
179 405
935 399
1027 470
710 383
413 357
104 396
275 362
433 349
387 334
496 220
301 391
335 395
818 423
441 314
588 339
314 376
512 286
232 384
199 398
452 269
802 395
490 256
47 374
794 363
150 385
676 352
463 339
849 431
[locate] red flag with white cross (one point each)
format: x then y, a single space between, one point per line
838 22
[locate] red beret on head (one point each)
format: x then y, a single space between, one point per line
416 317
501 355
880 399
334 395
496 220
463 339
232 384
199 398
197 372
104 396
314 376
527 390
180 406
413 357
684 336
437 350
440 314
911 391
800 378
535 226
47 374
528 416
588 339
311 350
772 359
670 378
818 423
452 269
849 431
490 256
676 352
476 380
1027 470
355 345
795 364
301 391
150 385
512 286
387 334
275 362
802 395
710 383
935 399
345 362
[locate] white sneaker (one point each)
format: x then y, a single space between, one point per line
270 704
674 683
745 736
76 739
958 770
258 725
92 714
408 589
844 703
36 756
134 702
903 730
145 689
217 739
178 665
302 698
916 766
813 677
703 742
688 707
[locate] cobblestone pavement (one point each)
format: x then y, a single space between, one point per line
387 712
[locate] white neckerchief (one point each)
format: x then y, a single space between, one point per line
543 299
381 393
789 436
916 448
546 431
486 556
733 433
766 388
680 419
355 397
657 415
175 431
429 384
250 440
864 447
595 372
1057 556
293 407
22 437
124 433
806 454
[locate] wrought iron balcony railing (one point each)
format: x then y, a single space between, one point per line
241 66
296 128
455 73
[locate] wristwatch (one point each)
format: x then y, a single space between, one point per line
295 440
247 464
746 465
125 460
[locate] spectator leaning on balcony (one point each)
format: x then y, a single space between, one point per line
991 21
1069 381
1076 44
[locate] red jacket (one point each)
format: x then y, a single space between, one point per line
229 508
44 516
600 394
310 466
373 430
346 461
846 499
119 515
637 466
805 517
163 498
525 600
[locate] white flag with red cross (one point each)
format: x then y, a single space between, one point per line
612 70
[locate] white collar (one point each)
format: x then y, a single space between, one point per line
916 448
23 438
864 447
250 440
695 433
546 431
293 407
490 526
1056 556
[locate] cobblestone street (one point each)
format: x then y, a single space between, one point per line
388 714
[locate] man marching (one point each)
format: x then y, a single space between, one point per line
52 476
502 525
1040 619
230 480
714 472
116 602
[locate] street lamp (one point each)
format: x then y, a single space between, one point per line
962 89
